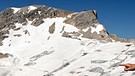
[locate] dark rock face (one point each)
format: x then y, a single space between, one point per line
52 28
37 22
46 12
8 17
83 19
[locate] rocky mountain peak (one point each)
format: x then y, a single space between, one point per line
86 21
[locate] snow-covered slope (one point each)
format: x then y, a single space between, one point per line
55 48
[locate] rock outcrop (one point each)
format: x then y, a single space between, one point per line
87 20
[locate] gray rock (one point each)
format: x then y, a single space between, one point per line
52 28
98 61
130 52
83 19
97 70
30 63
37 22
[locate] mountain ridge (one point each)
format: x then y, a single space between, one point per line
81 20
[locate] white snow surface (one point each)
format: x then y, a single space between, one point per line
32 8
15 9
38 53
97 28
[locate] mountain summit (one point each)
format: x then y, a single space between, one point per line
85 22
39 40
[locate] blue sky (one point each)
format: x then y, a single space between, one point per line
118 16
